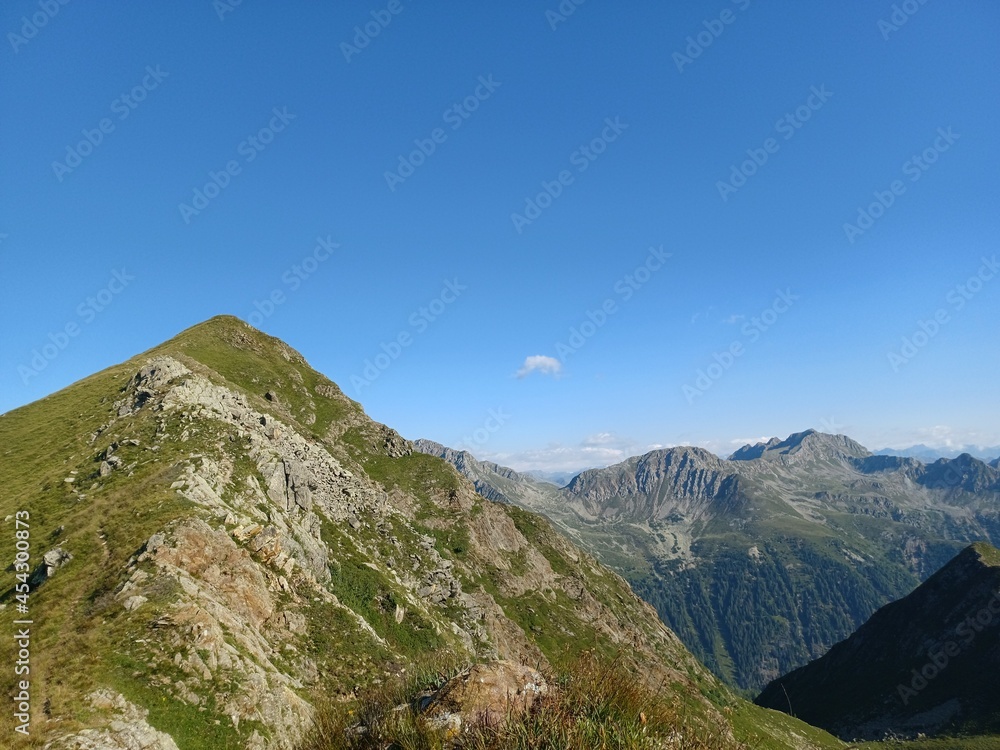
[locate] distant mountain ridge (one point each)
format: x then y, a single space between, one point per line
656 486
488 478
813 532
808 442
928 454
558 478
925 663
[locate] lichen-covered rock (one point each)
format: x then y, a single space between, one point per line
484 695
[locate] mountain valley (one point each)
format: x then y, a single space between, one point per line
808 536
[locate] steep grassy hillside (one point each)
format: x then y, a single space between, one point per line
220 540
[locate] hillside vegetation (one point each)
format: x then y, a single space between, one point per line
223 547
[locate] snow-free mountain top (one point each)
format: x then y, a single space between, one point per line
800 444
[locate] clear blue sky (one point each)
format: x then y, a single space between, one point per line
634 128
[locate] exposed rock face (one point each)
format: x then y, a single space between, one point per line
126 730
657 485
154 375
223 628
921 664
500 484
965 474
807 444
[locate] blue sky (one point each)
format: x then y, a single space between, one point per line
757 218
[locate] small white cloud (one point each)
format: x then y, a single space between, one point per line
734 319
540 363
942 435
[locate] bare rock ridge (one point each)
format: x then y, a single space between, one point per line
801 444
483 474
657 486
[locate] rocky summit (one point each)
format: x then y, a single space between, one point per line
219 546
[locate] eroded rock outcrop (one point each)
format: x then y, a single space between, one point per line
127 728
483 695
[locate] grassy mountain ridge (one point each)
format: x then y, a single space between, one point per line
231 537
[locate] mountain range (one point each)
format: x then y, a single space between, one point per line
928 454
762 561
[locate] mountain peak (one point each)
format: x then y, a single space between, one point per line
965 472
216 511
808 442
229 331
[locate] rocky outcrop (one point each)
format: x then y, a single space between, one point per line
223 625
127 728
51 562
483 695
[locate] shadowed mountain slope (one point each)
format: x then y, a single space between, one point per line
925 663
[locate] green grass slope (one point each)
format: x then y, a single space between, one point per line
357 621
